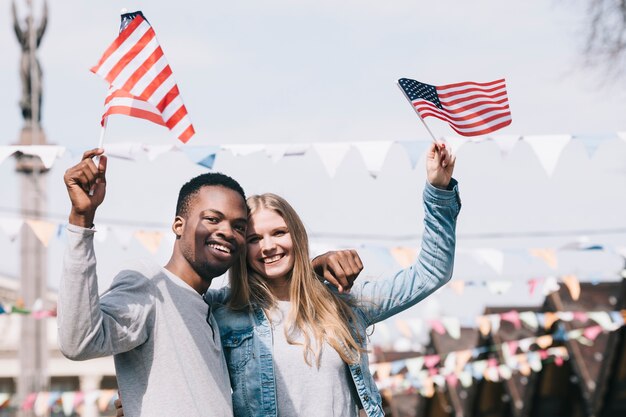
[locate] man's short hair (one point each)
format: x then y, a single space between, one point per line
191 188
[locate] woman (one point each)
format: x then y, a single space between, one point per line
295 346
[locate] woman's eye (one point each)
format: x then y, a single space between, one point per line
253 239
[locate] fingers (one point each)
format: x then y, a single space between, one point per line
353 266
441 154
335 274
344 266
102 170
86 174
119 411
452 161
328 276
92 152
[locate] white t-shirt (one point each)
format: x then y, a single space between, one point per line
309 391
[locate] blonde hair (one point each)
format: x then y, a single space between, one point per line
316 312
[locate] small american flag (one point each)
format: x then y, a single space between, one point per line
141 80
470 108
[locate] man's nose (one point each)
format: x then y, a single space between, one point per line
226 230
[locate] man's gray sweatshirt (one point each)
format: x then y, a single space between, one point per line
168 359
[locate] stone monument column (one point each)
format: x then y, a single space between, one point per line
33 352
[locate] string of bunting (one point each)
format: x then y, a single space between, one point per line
423 373
151 238
37 311
68 402
408 328
491 323
548 149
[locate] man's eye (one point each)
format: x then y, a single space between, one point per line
240 228
212 219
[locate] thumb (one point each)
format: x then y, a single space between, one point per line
102 168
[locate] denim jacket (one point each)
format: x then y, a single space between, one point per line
247 337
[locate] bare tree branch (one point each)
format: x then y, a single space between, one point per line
605 46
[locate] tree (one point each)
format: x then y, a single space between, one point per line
605 46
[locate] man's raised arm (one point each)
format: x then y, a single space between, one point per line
87 327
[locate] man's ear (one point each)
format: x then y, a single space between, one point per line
177 226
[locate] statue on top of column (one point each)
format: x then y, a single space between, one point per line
30 70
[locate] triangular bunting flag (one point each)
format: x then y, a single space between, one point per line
546 255
149 239
374 154
404 256
331 155
548 149
11 227
43 230
573 285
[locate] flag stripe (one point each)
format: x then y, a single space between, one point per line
475 114
143 83
473 131
119 52
130 29
135 112
187 134
469 97
176 117
168 99
461 92
137 62
475 107
471 123
171 107
128 57
469 83
155 84
142 70
161 92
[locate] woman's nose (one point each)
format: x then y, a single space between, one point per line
267 244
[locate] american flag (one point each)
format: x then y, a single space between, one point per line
141 80
470 108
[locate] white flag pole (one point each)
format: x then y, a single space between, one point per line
96 159
416 112
103 132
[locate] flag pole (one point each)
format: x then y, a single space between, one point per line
102 133
416 112
96 159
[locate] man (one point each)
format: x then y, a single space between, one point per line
167 349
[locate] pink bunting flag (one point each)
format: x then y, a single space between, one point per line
431 360
437 326
581 316
512 345
452 380
512 317
532 285
29 401
592 332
